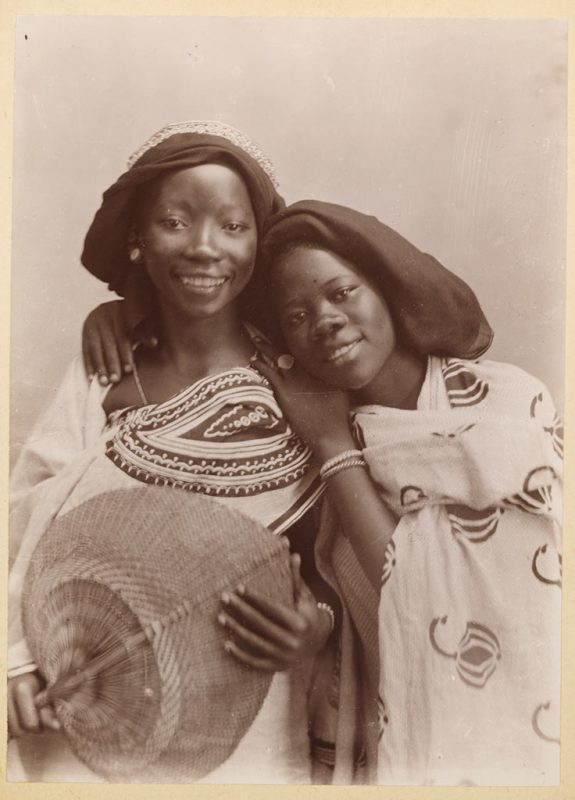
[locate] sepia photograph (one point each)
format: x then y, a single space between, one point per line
287 390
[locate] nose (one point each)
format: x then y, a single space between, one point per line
201 242
328 319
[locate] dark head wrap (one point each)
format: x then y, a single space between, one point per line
176 147
434 311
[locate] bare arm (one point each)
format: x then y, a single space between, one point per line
320 416
366 520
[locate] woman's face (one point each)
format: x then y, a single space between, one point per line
335 323
199 238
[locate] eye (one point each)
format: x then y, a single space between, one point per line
343 293
173 223
235 227
294 318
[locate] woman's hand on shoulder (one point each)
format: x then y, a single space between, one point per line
316 412
106 343
26 711
271 636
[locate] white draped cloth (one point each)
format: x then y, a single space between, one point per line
73 453
469 615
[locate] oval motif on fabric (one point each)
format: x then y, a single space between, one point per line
476 654
240 419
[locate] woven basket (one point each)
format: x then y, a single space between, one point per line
120 608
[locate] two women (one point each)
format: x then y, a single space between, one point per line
458 523
178 234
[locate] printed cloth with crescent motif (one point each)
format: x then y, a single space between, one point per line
470 607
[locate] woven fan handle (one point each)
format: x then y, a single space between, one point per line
68 684
42 699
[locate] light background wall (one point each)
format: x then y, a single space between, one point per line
451 131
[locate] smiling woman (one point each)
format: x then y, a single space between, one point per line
178 232
466 456
322 294
360 304
197 227
194 237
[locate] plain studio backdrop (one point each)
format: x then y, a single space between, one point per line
453 132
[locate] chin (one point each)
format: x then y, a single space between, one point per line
203 310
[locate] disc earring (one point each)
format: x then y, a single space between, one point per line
135 255
285 361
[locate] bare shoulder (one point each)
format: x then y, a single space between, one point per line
124 394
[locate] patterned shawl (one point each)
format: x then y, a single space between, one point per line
224 437
469 617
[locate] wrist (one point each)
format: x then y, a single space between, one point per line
329 447
343 461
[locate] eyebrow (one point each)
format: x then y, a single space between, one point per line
226 208
235 207
295 300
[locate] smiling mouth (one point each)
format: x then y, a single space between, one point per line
343 353
201 284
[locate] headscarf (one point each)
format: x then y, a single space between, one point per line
433 310
175 147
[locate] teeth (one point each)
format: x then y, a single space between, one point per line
341 351
201 282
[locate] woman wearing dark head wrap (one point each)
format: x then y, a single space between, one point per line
463 533
177 233
109 248
178 146
434 311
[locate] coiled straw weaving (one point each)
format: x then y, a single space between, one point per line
121 600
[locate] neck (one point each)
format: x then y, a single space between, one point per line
398 384
204 345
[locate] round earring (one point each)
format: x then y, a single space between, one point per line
135 255
285 361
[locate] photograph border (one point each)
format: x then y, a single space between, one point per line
462 9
